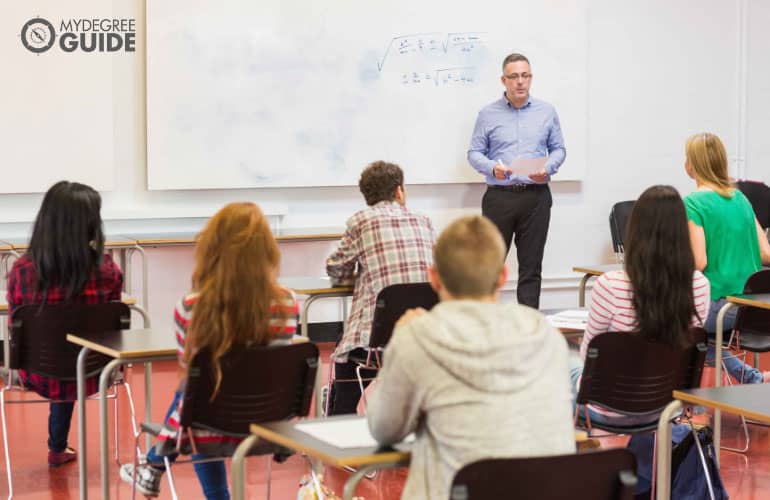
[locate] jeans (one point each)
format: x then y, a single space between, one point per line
344 396
211 475
737 369
575 372
59 420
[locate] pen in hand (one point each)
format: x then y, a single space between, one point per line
507 172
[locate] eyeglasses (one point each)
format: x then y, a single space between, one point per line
523 76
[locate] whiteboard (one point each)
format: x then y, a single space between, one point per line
56 107
298 93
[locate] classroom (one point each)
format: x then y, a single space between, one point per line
171 110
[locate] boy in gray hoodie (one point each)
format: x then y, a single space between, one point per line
473 378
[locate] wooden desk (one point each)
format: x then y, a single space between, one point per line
126 346
125 246
762 301
186 238
365 460
749 400
589 272
126 299
286 434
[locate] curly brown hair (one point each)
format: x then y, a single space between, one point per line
379 181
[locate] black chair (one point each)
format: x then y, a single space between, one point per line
37 344
259 384
630 375
592 475
758 194
751 332
618 220
392 302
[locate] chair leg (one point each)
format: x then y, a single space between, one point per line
116 426
743 419
361 386
329 382
703 463
170 476
269 470
132 411
5 442
136 464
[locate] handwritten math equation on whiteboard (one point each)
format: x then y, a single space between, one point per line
434 59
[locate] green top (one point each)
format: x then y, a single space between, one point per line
732 247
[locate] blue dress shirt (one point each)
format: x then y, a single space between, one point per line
505 132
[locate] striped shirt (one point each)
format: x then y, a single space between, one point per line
390 245
612 309
210 443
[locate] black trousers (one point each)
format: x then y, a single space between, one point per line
522 214
345 393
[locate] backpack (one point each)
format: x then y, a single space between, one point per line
688 480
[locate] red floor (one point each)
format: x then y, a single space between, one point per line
746 477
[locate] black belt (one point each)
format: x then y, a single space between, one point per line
515 188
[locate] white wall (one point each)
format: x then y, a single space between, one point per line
658 71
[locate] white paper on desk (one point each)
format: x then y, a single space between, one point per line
575 319
527 166
343 433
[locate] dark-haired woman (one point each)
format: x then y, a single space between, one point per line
659 292
64 264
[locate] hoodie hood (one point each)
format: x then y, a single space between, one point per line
491 347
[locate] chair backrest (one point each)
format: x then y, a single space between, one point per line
38 336
754 319
392 302
629 374
618 221
592 475
259 384
758 194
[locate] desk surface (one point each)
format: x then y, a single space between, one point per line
749 400
761 300
285 434
597 269
305 285
124 344
126 299
288 234
110 241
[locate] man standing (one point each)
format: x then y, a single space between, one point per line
518 126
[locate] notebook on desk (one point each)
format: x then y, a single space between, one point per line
348 433
574 319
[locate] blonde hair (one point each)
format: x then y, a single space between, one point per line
708 159
469 256
236 263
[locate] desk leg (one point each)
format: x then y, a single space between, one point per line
663 481
238 467
355 478
145 272
718 373
582 290
82 459
303 317
104 442
147 402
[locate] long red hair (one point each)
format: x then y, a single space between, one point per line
236 264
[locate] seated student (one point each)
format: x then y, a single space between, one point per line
727 241
235 300
473 378
390 245
65 263
659 292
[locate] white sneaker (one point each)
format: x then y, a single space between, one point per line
147 478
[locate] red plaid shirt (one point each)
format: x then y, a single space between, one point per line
104 285
391 245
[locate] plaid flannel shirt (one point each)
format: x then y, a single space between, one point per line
104 285
390 245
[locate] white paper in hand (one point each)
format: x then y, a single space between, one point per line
527 166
